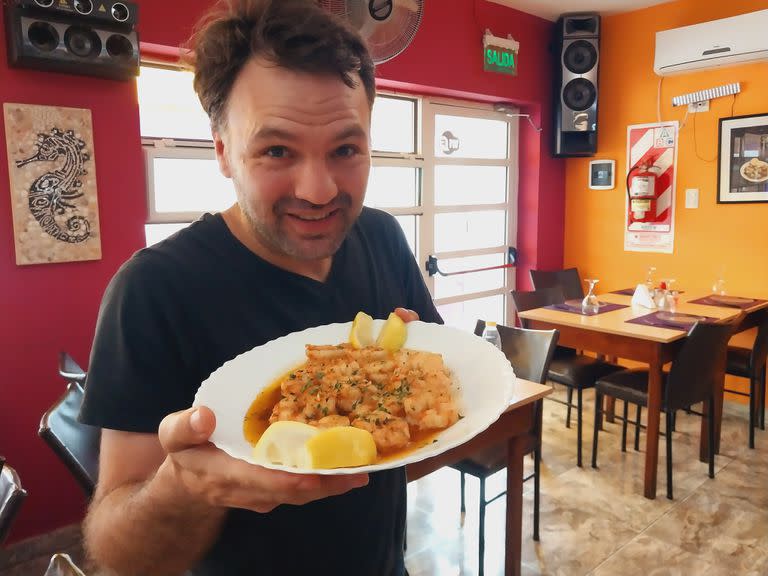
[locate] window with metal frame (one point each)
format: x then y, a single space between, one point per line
446 170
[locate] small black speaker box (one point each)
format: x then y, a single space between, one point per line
89 37
577 59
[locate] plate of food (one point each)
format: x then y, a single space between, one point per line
331 400
755 170
730 300
681 320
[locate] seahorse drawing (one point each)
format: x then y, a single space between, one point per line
51 194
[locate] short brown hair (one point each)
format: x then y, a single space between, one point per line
295 34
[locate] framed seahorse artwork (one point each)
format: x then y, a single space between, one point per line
53 183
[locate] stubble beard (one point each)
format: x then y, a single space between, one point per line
305 249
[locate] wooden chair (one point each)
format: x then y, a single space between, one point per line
568 279
574 371
689 381
529 352
76 444
11 497
750 363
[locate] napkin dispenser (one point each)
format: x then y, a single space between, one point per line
642 297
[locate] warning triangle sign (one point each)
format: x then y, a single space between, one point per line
101 8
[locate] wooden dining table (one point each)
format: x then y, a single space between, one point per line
514 427
610 334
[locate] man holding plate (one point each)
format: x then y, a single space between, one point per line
289 91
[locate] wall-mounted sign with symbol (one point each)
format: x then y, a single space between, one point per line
448 142
500 54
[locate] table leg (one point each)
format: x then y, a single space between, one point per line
719 392
515 454
652 431
610 401
610 408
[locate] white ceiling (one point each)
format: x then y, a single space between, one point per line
551 9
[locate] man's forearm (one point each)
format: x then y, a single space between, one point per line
147 528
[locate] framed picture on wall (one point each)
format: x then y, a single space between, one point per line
743 169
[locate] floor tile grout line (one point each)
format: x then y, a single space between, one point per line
660 518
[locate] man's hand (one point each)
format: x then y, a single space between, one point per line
406 315
209 475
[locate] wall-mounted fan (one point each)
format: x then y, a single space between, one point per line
387 26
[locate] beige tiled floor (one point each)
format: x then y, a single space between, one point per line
597 522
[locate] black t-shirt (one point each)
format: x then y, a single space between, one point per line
178 310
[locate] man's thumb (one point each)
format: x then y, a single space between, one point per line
186 428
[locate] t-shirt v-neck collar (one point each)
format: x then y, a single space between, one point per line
248 257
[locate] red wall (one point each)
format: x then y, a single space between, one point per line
47 308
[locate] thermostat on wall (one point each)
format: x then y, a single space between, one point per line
602 174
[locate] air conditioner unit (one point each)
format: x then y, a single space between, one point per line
725 42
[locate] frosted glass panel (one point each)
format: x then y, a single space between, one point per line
392 187
168 105
447 286
470 230
456 185
154 233
461 137
409 224
393 125
191 185
465 314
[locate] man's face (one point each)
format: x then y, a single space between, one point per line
296 146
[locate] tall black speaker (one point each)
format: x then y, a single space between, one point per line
90 37
577 58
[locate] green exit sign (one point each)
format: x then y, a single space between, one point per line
500 54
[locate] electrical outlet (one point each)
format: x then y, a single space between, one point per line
702 106
692 198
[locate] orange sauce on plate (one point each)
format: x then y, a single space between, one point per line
257 421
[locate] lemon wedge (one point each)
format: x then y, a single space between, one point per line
393 334
361 334
284 443
340 447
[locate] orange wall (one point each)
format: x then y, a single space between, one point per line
731 236
714 235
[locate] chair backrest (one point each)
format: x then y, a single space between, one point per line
760 348
536 299
529 351
76 444
70 370
11 497
568 279
691 377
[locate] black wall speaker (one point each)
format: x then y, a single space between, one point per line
577 58
90 37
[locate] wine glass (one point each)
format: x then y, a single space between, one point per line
649 279
590 304
719 286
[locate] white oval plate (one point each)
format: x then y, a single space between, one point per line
485 382
742 171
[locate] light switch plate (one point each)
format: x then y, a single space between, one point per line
692 198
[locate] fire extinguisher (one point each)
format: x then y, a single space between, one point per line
641 188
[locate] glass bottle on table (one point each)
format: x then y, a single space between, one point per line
590 305
491 334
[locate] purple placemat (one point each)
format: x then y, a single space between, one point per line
604 307
653 319
708 301
631 291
